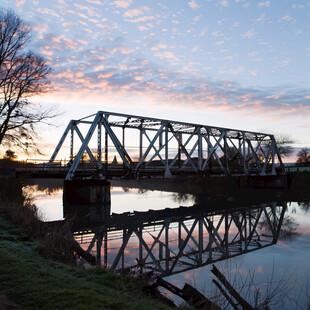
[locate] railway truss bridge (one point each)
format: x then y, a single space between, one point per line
170 241
109 144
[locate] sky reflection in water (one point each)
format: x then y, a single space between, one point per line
288 259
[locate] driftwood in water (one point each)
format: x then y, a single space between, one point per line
189 294
242 302
225 295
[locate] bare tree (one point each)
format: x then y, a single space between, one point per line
303 156
283 143
23 74
284 147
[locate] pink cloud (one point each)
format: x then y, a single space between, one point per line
20 3
83 42
48 12
40 28
69 24
193 4
142 19
122 3
136 12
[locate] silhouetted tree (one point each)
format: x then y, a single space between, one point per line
23 74
10 155
303 156
284 145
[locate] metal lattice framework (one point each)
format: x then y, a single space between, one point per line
176 240
168 147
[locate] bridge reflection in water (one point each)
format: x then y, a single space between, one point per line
170 241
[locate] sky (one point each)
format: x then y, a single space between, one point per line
228 63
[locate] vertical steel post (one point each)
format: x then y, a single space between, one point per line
99 244
71 144
140 143
245 232
273 146
199 148
123 144
167 170
123 252
209 150
167 252
226 152
179 235
200 238
140 250
244 154
226 234
179 149
106 146
99 148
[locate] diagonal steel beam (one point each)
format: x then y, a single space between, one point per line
89 152
60 143
155 261
81 151
119 147
183 148
160 130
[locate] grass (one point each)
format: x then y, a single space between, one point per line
34 282
37 264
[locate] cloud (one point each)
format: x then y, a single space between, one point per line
160 46
193 4
95 52
122 3
20 3
48 12
136 12
264 4
249 34
142 28
167 55
40 28
285 18
223 3
142 79
91 11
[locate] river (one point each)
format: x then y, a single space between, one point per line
280 269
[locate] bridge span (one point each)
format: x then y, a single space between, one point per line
145 146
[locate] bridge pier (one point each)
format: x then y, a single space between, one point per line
81 192
88 200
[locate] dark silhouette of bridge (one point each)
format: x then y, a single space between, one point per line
109 144
169 241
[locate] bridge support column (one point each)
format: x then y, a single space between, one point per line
87 192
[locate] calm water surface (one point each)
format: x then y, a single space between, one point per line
284 265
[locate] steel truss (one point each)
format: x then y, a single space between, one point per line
171 147
185 239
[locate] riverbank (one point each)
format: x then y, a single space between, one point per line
33 282
32 278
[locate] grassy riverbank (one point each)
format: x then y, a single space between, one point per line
32 269
34 282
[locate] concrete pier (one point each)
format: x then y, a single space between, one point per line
81 192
